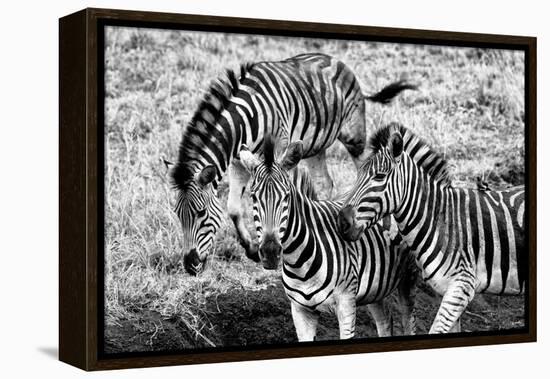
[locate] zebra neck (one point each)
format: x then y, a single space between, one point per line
220 142
422 209
299 243
295 210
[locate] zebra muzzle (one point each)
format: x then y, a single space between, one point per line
270 253
347 224
192 262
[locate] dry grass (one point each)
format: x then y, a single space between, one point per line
470 106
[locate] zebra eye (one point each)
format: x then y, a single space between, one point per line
201 212
380 176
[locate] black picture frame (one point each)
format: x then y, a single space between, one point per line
81 166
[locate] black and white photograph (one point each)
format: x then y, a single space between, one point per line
236 189
264 190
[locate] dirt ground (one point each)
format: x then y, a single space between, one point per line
241 318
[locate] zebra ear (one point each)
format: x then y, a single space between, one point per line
170 168
395 145
249 160
168 164
293 155
206 176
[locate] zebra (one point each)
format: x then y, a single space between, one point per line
465 241
311 97
321 271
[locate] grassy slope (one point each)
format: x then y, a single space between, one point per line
470 106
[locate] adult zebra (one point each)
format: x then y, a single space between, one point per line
321 271
465 240
311 97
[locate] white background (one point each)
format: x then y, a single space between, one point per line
29 184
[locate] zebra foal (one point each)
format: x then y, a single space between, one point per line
465 241
321 271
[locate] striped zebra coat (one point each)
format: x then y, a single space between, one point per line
311 97
464 240
321 271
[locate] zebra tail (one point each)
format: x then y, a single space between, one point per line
386 95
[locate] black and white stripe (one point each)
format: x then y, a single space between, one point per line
200 217
310 97
321 270
464 240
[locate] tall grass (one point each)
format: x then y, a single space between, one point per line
469 106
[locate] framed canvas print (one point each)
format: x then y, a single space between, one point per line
241 189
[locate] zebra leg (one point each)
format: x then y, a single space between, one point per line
238 178
457 297
353 135
406 295
379 312
305 322
346 313
457 328
317 166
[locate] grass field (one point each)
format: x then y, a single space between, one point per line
470 106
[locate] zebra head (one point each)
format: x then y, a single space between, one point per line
200 214
270 190
377 188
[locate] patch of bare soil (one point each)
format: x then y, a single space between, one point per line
150 333
241 318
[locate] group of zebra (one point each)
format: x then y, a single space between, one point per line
402 215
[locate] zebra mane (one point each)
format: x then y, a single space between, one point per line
299 176
419 150
303 183
269 151
208 113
